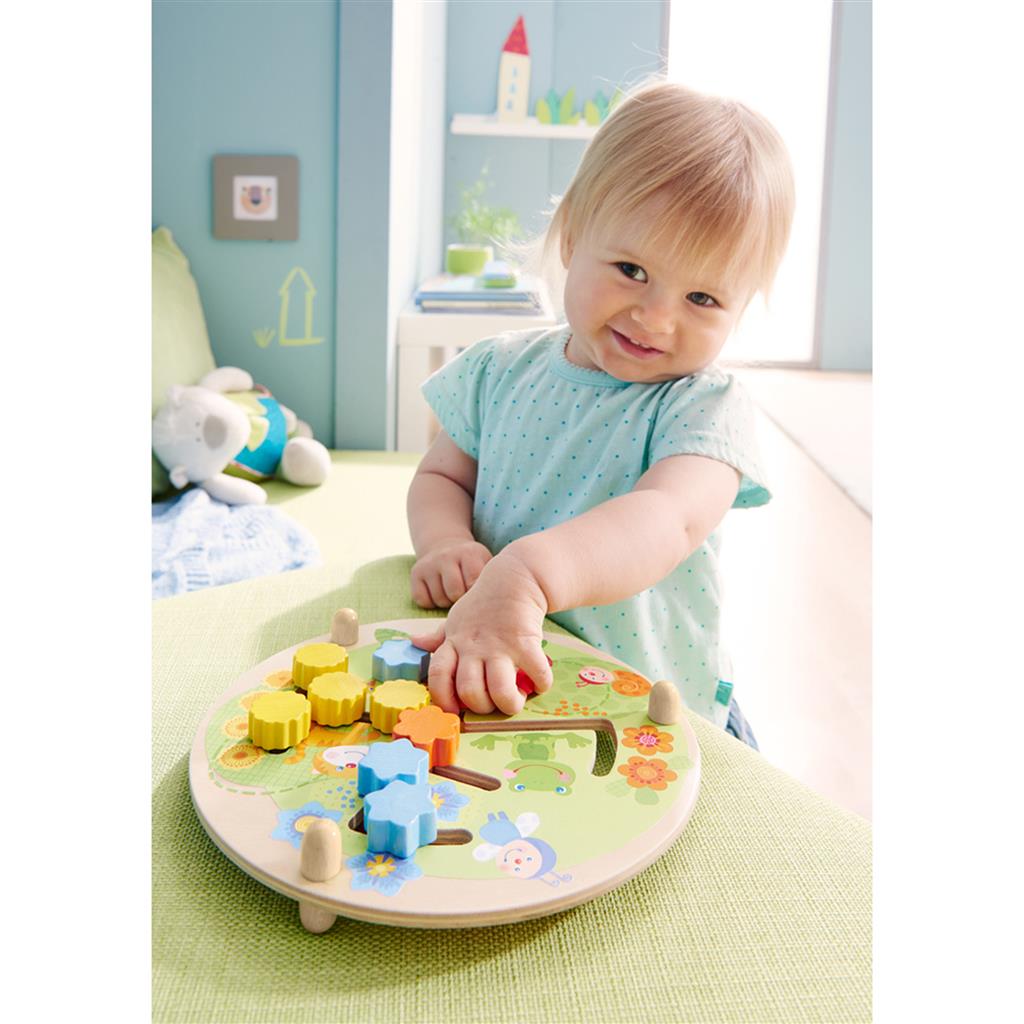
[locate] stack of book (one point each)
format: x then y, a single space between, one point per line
450 294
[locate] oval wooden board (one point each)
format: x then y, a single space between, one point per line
588 834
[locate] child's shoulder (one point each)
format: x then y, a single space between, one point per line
515 342
709 393
711 379
513 352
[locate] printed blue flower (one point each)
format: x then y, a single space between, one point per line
447 800
383 872
292 824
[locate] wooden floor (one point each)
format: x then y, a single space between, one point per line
798 614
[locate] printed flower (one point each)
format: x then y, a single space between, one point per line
382 872
279 680
239 756
629 684
447 801
292 823
237 727
648 740
652 773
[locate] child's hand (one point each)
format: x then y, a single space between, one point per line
444 574
495 629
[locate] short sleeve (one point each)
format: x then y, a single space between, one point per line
711 415
456 392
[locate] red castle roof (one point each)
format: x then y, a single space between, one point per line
516 42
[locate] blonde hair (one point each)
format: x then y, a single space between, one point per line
720 169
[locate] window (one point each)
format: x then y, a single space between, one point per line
775 58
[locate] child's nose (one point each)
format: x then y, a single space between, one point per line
656 316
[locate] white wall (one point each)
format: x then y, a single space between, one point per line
844 339
418 133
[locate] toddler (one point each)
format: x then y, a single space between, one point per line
582 470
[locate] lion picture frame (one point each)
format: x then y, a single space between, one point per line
256 198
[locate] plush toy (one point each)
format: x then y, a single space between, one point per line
224 434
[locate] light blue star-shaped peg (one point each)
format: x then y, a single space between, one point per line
399 659
386 762
400 819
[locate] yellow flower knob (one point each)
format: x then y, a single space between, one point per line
279 720
314 660
390 699
337 698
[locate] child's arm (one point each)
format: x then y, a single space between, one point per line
440 511
615 550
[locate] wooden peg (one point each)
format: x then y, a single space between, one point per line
314 919
320 852
345 628
665 705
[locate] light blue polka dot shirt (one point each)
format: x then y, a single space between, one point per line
552 440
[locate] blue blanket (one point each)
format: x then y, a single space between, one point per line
199 542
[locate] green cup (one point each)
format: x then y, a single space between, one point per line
467 259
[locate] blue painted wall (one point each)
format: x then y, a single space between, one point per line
265 77
256 78
586 44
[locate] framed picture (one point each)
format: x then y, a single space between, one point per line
256 198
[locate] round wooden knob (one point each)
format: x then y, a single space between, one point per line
664 705
345 627
320 852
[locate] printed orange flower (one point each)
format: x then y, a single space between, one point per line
648 740
629 684
650 772
241 755
237 727
279 680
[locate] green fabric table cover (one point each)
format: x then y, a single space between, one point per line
760 911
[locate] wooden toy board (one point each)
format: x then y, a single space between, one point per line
589 792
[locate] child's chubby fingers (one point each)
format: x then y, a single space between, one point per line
501 686
471 685
452 582
418 589
429 641
473 563
426 589
441 677
533 661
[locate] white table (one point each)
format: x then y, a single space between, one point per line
426 341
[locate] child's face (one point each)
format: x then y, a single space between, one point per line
618 298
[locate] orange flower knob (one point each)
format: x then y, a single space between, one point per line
433 730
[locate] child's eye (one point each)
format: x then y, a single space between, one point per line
633 272
701 299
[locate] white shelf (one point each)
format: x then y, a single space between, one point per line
426 341
531 128
417 329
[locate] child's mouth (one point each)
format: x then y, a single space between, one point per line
633 349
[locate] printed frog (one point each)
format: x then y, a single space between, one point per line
534 768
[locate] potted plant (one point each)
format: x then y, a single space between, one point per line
478 226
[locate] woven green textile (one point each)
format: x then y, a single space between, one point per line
761 910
